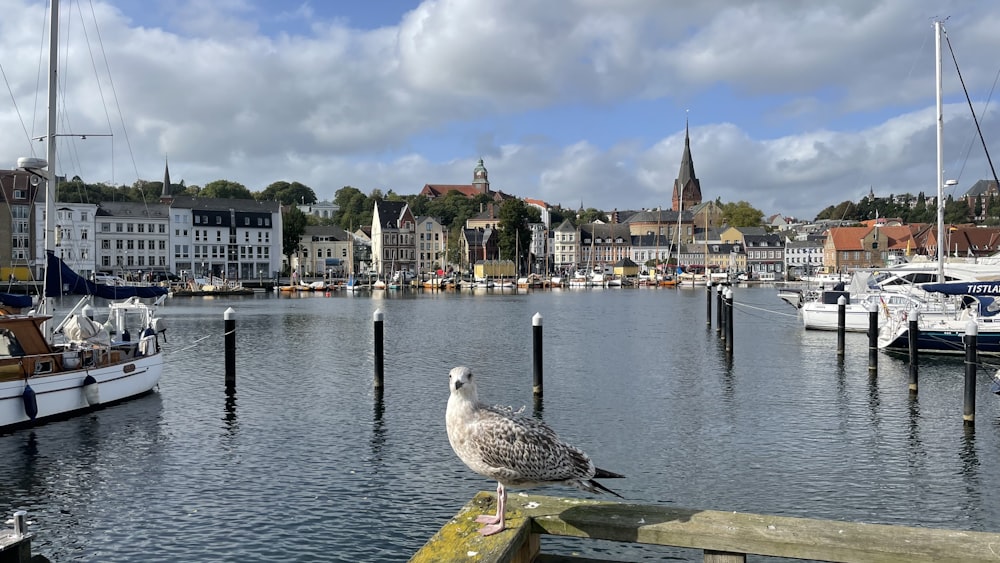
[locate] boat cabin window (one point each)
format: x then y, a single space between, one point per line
9 346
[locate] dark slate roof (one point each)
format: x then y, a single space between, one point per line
389 213
771 240
217 203
663 216
650 241
132 209
326 231
981 188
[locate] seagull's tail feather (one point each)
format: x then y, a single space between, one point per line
605 474
596 487
591 485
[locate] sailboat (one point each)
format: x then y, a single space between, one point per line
942 331
78 365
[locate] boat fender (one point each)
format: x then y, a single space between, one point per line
30 402
90 391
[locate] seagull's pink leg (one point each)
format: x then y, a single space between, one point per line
495 523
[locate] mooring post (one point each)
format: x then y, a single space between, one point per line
729 320
718 311
841 324
230 345
536 333
969 408
708 317
913 334
20 524
377 317
872 338
723 313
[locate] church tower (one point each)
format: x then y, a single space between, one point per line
687 188
480 179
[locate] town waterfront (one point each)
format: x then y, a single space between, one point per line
307 463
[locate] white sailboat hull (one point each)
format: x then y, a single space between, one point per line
63 393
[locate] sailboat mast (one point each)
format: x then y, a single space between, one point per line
940 152
50 137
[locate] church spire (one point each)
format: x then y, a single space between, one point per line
687 188
165 195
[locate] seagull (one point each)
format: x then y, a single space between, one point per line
517 451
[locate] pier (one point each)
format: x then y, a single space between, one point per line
723 537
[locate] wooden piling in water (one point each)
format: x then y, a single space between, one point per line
718 311
377 319
971 360
708 293
729 320
230 348
841 324
913 334
872 339
536 333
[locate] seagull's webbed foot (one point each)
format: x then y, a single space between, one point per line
491 529
488 519
494 523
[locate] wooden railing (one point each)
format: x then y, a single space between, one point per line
723 537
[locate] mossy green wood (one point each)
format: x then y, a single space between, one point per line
729 532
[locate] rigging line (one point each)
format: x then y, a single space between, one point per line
114 95
100 90
971 109
16 109
746 306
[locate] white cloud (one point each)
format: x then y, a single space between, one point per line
795 106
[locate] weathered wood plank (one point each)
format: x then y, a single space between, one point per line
459 539
735 532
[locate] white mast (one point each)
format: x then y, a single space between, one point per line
941 249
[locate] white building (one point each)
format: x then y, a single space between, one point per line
132 238
227 238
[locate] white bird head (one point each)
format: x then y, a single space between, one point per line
460 383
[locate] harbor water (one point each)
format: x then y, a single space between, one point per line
307 463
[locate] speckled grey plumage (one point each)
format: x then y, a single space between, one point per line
515 450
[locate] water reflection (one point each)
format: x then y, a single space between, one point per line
378 429
539 407
231 422
812 433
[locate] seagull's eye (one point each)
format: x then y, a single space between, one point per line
470 375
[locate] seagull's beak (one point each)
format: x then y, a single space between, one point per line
458 385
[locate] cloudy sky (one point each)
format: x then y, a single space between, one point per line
793 106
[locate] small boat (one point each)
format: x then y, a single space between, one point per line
530 281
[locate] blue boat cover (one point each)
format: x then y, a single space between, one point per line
60 279
15 300
964 288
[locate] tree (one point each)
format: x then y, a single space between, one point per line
224 189
956 211
514 233
741 214
288 193
293 224
845 211
591 215
354 208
